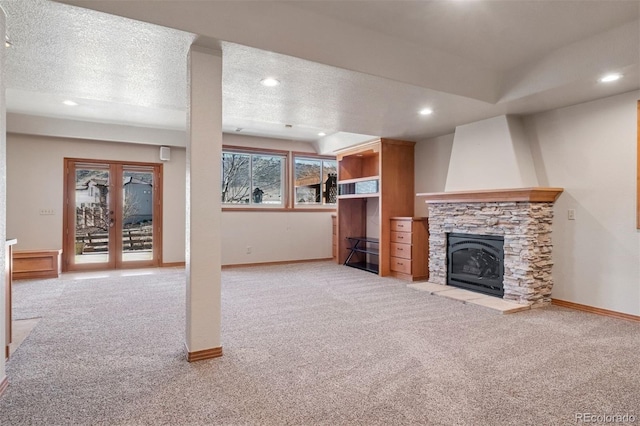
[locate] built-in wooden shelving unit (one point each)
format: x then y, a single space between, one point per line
375 183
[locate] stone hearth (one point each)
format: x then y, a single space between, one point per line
522 216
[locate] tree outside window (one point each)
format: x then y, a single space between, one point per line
252 179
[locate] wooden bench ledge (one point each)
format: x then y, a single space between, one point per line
36 264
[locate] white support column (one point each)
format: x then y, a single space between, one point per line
3 206
203 214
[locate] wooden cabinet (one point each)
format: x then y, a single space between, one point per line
334 237
375 183
409 248
30 264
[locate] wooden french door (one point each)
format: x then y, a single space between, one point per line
112 215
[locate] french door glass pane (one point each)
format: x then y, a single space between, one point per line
137 215
93 215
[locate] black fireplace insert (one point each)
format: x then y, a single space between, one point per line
476 262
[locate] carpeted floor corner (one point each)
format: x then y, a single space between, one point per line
305 344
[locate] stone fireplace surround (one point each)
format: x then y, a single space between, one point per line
522 216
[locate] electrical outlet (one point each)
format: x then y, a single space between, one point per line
571 214
46 212
249 249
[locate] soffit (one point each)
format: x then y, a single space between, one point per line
498 34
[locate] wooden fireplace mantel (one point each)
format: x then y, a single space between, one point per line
531 195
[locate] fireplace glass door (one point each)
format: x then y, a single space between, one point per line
476 262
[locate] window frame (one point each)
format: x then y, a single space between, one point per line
288 181
285 178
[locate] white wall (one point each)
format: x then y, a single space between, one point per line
431 167
274 236
35 181
173 220
590 151
490 154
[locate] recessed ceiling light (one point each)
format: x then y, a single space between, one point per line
7 43
70 103
269 82
426 111
608 78
322 134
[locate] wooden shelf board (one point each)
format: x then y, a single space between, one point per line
532 195
361 179
348 196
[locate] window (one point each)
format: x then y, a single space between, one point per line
253 178
277 180
315 181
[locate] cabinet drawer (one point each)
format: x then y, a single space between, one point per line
401 250
401 237
401 225
401 265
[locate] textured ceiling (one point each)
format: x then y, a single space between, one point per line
329 99
125 71
114 68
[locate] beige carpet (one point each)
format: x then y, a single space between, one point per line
306 344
